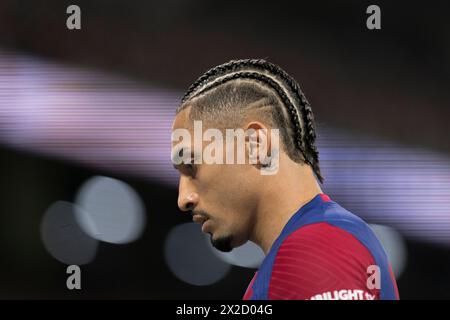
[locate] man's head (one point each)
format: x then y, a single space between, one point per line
249 95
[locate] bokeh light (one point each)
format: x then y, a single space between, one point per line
63 238
394 245
111 211
189 257
249 255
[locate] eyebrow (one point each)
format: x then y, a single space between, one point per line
181 150
178 166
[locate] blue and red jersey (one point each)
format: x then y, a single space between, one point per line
324 252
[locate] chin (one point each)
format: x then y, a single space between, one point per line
223 243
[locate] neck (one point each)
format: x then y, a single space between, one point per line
287 193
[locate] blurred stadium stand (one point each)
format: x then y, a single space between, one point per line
77 104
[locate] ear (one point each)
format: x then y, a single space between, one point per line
258 143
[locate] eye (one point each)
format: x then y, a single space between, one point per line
189 169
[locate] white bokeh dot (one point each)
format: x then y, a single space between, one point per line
394 245
190 259
249 255
110 210
63 237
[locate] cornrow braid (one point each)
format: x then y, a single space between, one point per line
305 140
235 65
310 138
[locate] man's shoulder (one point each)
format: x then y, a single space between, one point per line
322 242
319 258
329 221
324 249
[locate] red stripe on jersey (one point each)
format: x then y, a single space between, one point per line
249 292
321 259
325 197
391 273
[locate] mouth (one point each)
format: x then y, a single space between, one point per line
199 219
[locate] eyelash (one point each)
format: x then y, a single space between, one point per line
190 168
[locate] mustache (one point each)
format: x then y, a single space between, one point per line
200 213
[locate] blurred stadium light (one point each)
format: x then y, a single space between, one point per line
63 238
394 245
113 123
110 210
85 116
190 258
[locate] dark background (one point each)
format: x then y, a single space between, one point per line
391 83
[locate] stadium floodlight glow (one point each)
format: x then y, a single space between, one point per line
119 125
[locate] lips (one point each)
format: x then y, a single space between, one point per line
199 219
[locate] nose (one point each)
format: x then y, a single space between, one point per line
187 197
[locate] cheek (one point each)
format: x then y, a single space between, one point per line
240 185
226 188
232 185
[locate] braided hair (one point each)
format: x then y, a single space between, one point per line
237 84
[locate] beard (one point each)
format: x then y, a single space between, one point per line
222 244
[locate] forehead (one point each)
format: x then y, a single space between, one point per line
182 120
181 126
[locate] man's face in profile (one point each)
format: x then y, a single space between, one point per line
221 197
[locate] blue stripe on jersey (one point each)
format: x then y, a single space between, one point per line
315 211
